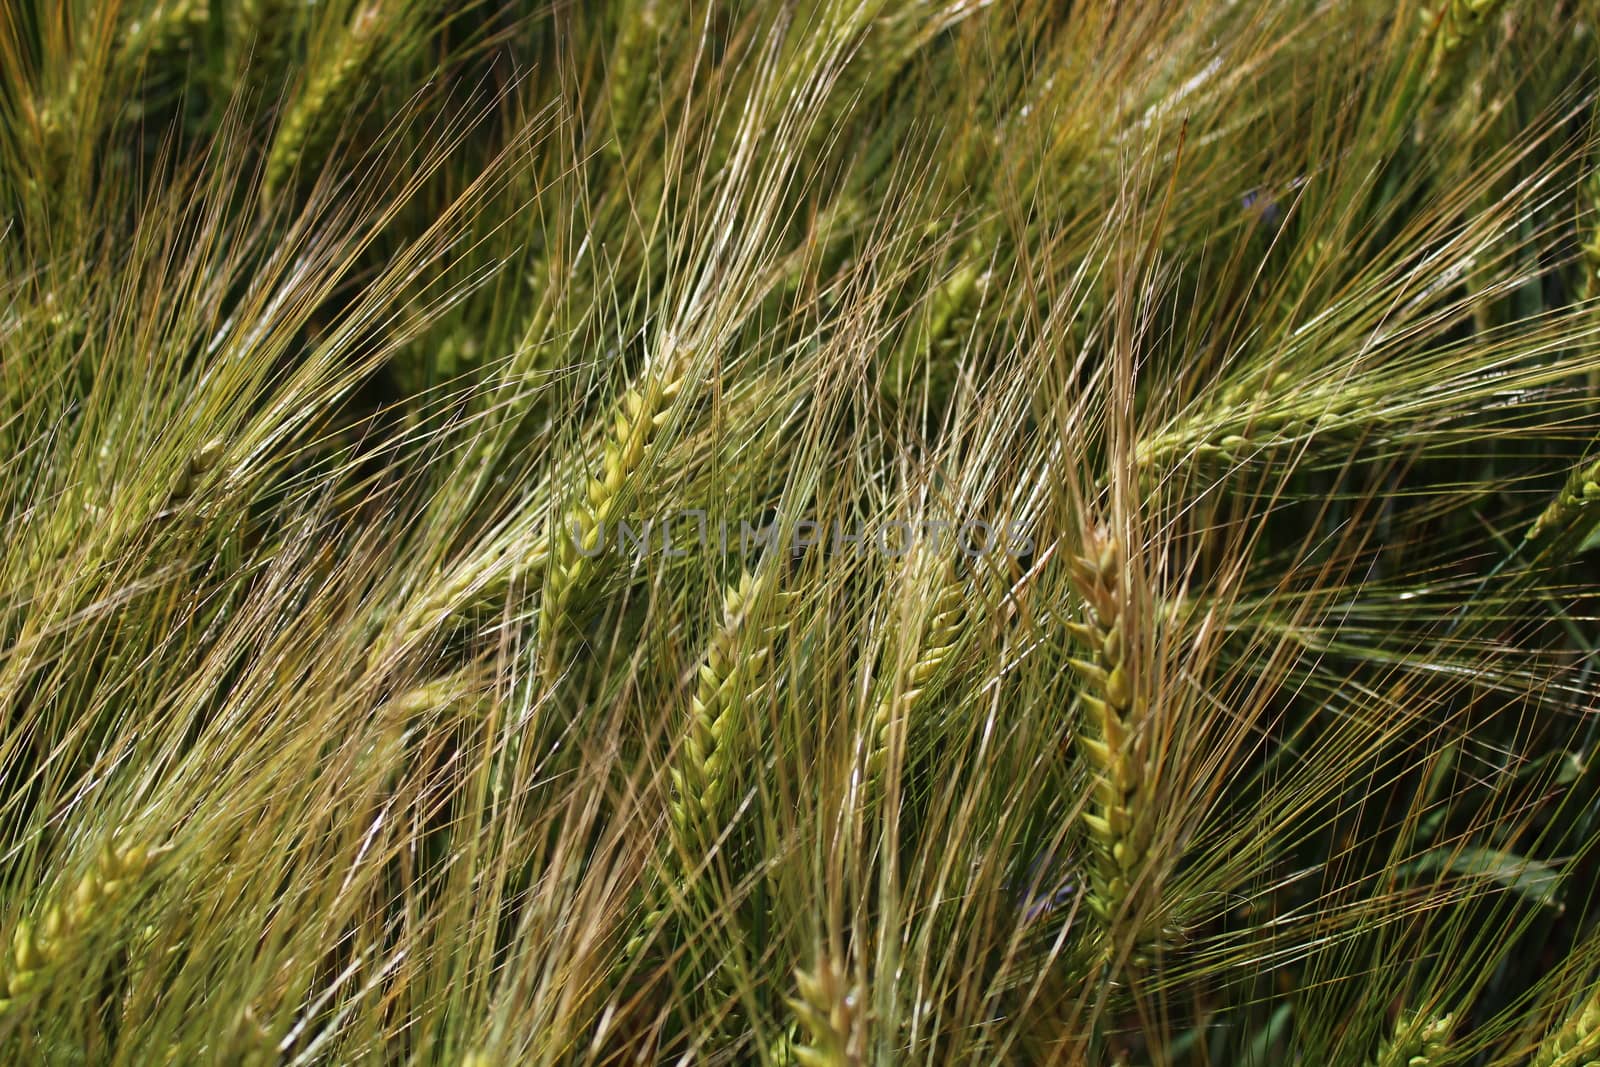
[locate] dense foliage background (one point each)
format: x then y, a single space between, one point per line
1245 355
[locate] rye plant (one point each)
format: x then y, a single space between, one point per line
821 533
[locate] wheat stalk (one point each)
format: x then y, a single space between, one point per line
458 689
630 82
476 583
883 40
164 27
251 1043
1590 258
161 29
1248 423
933 346
257 33
35 946
722 689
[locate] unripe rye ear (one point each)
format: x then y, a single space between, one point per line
579 546
731 677
1577 1042
35 946
832 1013
1454 24
936 648
1113 700
1417 1042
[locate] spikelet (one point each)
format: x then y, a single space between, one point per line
250 1044
1454 24
936 647
1113 705
455 690
1417 1042
1577 1043
57 110
303 133
580 540
37 945
833 1013
882 40
256 38
201 462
